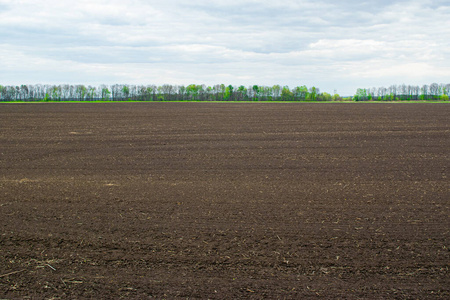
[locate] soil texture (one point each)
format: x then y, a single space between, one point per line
224 201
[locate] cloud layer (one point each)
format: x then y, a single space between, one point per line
335 45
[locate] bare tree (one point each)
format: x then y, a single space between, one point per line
424 92
276 92
434 91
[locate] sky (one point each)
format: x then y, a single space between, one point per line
335 45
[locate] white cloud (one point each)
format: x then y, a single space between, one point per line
334 45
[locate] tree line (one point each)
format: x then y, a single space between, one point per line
218 92
166 92
404 92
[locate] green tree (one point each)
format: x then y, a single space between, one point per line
361 95
228 92
105 93
276 92
2 92
336 97
222 89
125 92
210 93
325 96
160 96
286 94
242 93
192 92
255 89
91 92
312 95
300 92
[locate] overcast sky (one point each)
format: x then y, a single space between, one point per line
331 44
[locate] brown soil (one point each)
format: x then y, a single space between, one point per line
198 200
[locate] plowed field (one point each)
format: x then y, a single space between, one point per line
223 201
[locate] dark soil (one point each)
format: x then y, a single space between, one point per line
223 201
